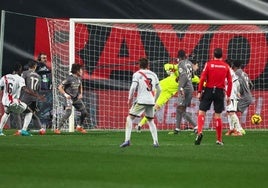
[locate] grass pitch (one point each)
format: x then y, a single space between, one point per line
95 160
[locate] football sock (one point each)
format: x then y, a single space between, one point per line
219 129
237 124
189 118
65 117
179 114
128 128
230 121
153 131
200 123
4 120
27 120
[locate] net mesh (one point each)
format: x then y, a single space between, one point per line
109 52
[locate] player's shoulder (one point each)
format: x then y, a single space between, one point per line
18 78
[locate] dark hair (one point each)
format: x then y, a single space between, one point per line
229 62
218 53
75 68
193 58
17 67
144 63
32 63
39 55
181 54
237 64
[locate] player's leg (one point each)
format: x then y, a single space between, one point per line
128 129
231 109
186 115
80 106
149 113
205 103
163 98
135 111
230 123
3 121
65 117
242 106
27 118
237 126
218 102
183 101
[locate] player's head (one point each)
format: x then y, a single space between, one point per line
195 66
144 63
42 57
192 57
229 62
17 68
77 69
218 53
181 54
237 64
32 64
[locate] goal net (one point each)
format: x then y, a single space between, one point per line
109 50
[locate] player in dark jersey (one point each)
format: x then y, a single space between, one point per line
245 91
72 89
32 81
185 90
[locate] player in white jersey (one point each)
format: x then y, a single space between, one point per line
231 109
146 84
12 85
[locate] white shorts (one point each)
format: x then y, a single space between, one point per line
138 109
16 107
232 107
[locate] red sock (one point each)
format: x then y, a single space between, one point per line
219 129
200 123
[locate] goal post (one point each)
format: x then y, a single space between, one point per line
110 48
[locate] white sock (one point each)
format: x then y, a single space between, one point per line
4 120
27 120
128 128
237 123
230 122
153 131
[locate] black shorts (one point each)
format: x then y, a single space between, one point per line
212 95
33 106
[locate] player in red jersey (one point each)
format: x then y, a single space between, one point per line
215 74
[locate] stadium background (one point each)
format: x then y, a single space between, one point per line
25 37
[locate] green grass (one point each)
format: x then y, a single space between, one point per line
95 160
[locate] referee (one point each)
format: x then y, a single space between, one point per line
215 74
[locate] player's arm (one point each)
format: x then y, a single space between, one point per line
229 86
62 91
201 84
80 95
131 92
31 92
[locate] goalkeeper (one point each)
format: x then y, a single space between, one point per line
169 87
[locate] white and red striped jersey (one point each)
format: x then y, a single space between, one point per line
12 84
236 86
145 83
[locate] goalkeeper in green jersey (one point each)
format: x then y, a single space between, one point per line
169 87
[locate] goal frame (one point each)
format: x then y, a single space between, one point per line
73 21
